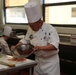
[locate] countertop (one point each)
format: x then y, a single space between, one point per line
27 63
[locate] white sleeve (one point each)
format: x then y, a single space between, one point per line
26 38
54 38
23 41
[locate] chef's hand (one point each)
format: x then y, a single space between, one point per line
37 48
12 47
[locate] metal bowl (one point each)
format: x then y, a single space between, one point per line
24 49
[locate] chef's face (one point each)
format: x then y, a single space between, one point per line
36 25
33 26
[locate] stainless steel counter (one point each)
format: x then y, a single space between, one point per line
18 65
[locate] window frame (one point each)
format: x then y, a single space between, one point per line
42 4
5 14
60 4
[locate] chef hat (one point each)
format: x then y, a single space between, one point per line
32 0
32 12
7 31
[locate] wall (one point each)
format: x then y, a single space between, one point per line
0 13
64 30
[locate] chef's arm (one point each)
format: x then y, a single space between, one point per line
45 48
22 41
16 45
19 43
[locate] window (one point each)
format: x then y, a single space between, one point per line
57 1
59 12
15 12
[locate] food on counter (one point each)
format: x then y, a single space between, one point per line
11 58
7 64
16 59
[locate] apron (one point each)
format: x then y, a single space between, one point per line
47 66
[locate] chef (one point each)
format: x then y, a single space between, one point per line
45 39
5 35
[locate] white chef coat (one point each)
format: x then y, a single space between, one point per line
4 46
48 61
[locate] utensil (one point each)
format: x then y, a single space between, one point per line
22 51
